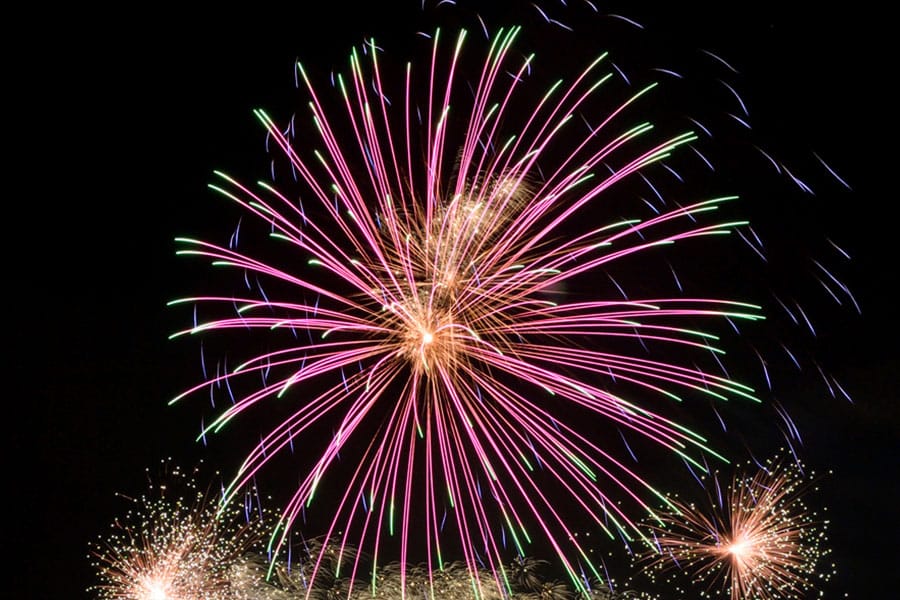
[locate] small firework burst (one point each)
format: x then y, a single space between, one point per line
174 544
758 539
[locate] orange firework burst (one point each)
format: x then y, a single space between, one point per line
175 545
759 540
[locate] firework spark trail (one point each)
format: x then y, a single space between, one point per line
449 264
758 541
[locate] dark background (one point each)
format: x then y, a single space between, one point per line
126 113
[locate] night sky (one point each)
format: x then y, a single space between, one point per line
125 123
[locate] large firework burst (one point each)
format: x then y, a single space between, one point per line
757 540
439 222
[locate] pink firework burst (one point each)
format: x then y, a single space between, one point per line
758 540
419 309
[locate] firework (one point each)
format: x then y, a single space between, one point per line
174 544
438 219
453 582
758 540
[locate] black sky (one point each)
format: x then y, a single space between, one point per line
127 113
